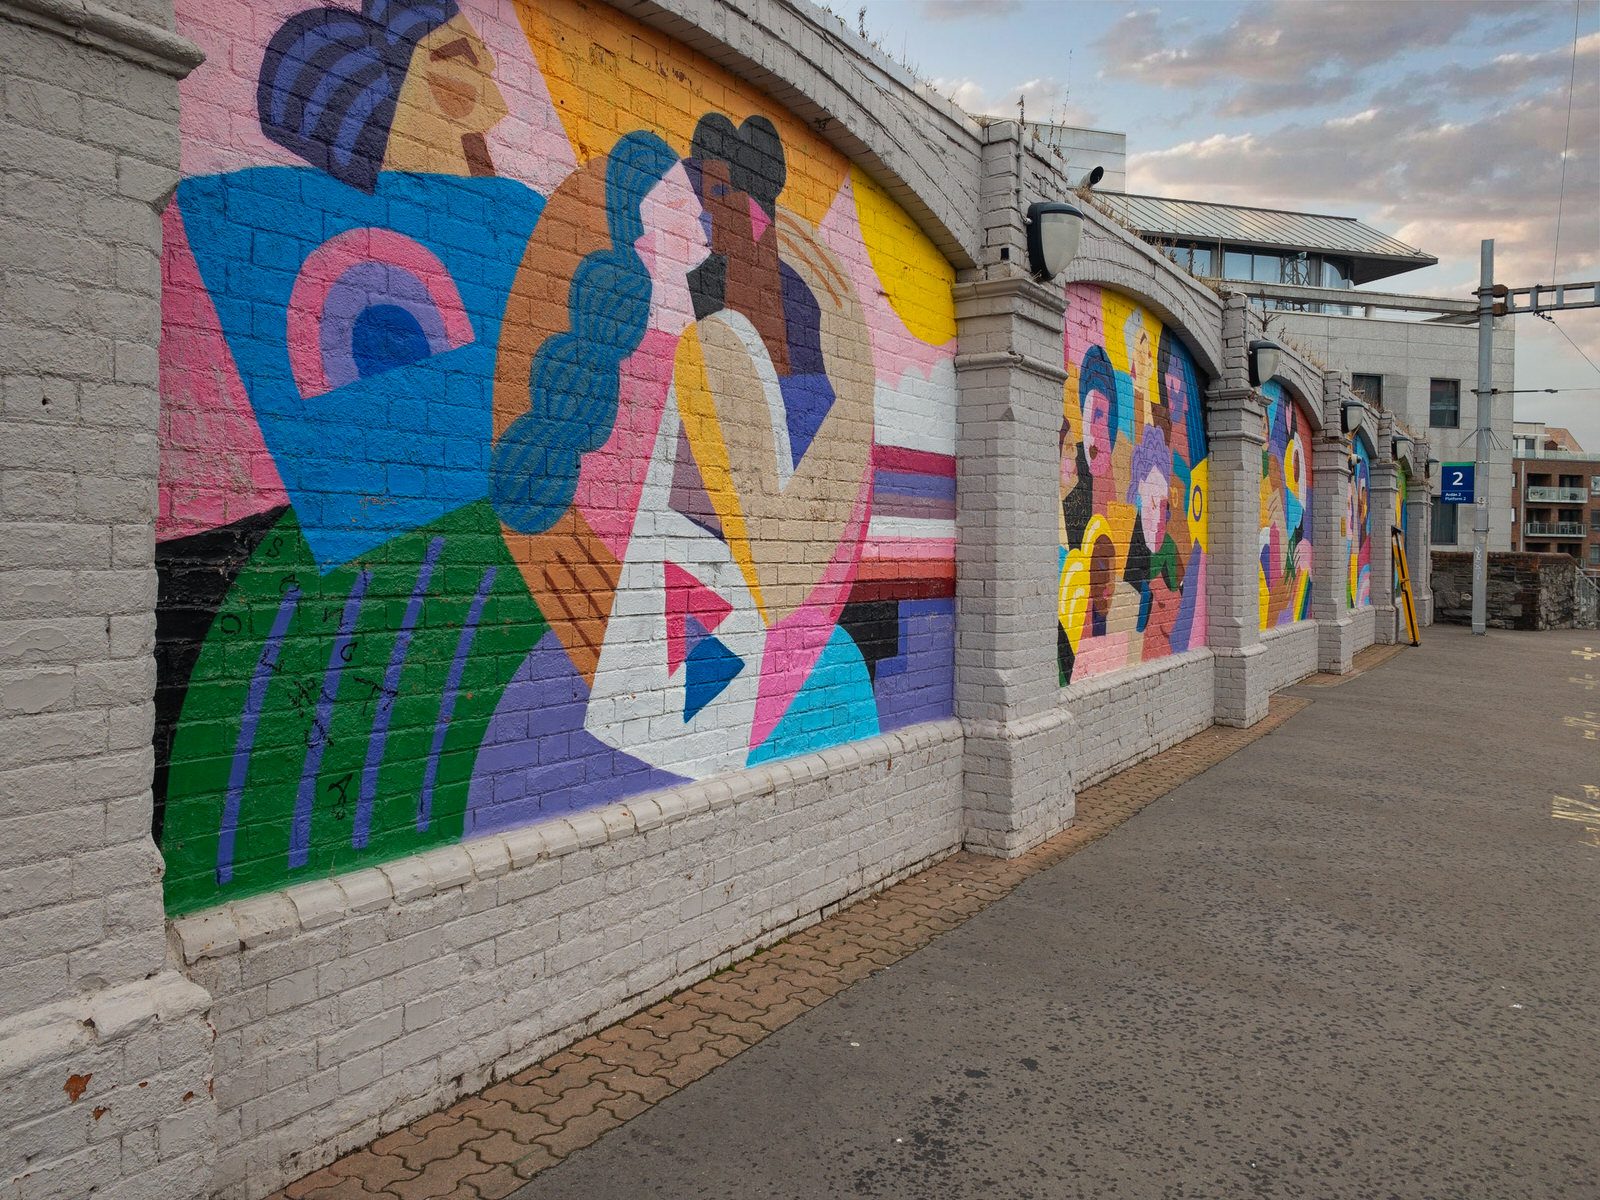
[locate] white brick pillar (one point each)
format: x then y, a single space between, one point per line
1385 492
1236 432
105 1053
1009 376
1330 500
1419 535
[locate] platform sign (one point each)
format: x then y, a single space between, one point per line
1456 482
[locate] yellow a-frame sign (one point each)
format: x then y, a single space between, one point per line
1403 582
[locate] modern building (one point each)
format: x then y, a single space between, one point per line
1415 356
1556 501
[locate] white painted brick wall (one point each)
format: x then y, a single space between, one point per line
1126 717
347 1007
1290 654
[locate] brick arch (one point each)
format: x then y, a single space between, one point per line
1303 382
1113 258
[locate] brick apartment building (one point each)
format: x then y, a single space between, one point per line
1556 499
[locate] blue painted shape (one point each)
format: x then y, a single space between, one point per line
708 669
379 737
249 719
806 401
252 230
317 738
386 336
834 705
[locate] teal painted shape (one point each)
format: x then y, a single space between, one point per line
834 705
709 668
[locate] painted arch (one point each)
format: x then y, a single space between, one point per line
537 430
1133 511
1284 568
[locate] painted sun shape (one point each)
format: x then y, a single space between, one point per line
368 301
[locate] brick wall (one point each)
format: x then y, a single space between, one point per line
555 486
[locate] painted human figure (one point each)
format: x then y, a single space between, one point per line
414 90
1152 563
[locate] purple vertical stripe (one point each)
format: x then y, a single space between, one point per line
447 705
251 717
300 833
391 686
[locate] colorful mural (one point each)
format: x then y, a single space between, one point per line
540 426
1358 526
1285 576
1133 490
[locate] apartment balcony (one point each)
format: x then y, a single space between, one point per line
1553 529
1557 495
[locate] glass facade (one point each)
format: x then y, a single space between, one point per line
1444 523
1246 264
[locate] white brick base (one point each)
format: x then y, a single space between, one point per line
1127 716
348 1007
1291 654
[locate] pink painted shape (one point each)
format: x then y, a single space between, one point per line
611 479
759 221
323 268
1085 327
895 349
687 597
529 143
921 549
215 468
794 643
219 129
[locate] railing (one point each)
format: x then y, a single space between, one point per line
1587 609
1557 495
1553 529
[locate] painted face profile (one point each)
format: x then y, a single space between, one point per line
447 104
673 244
1097 432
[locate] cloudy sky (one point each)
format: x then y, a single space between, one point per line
1441 122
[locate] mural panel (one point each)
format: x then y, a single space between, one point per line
1358 526
1285 565
1133 490
547 417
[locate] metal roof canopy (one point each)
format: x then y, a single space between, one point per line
1373 255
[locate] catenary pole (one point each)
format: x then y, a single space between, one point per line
1480 483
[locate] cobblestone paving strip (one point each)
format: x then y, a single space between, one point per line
488 1145
1372 656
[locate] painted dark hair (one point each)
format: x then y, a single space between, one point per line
1096 375
331 78
575 380
1172 357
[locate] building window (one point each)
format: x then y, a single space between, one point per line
1594 554
1368 388
1594 519
1444 523
1444 403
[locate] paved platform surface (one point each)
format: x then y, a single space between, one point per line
1358 958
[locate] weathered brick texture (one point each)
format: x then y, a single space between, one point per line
495 534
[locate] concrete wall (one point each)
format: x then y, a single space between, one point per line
457 735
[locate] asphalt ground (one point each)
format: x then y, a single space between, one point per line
1359 958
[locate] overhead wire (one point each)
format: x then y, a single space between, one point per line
1566 150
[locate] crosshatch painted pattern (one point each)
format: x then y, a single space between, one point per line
1133 490
1358 525
547 417
1284 578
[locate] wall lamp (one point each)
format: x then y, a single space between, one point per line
1265 358
1432 463
1401 447
1054 230
1350 414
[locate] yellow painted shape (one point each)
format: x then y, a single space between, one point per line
1072 600
1115 309
1263 596
1199 498
913 274
609 75
700 421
